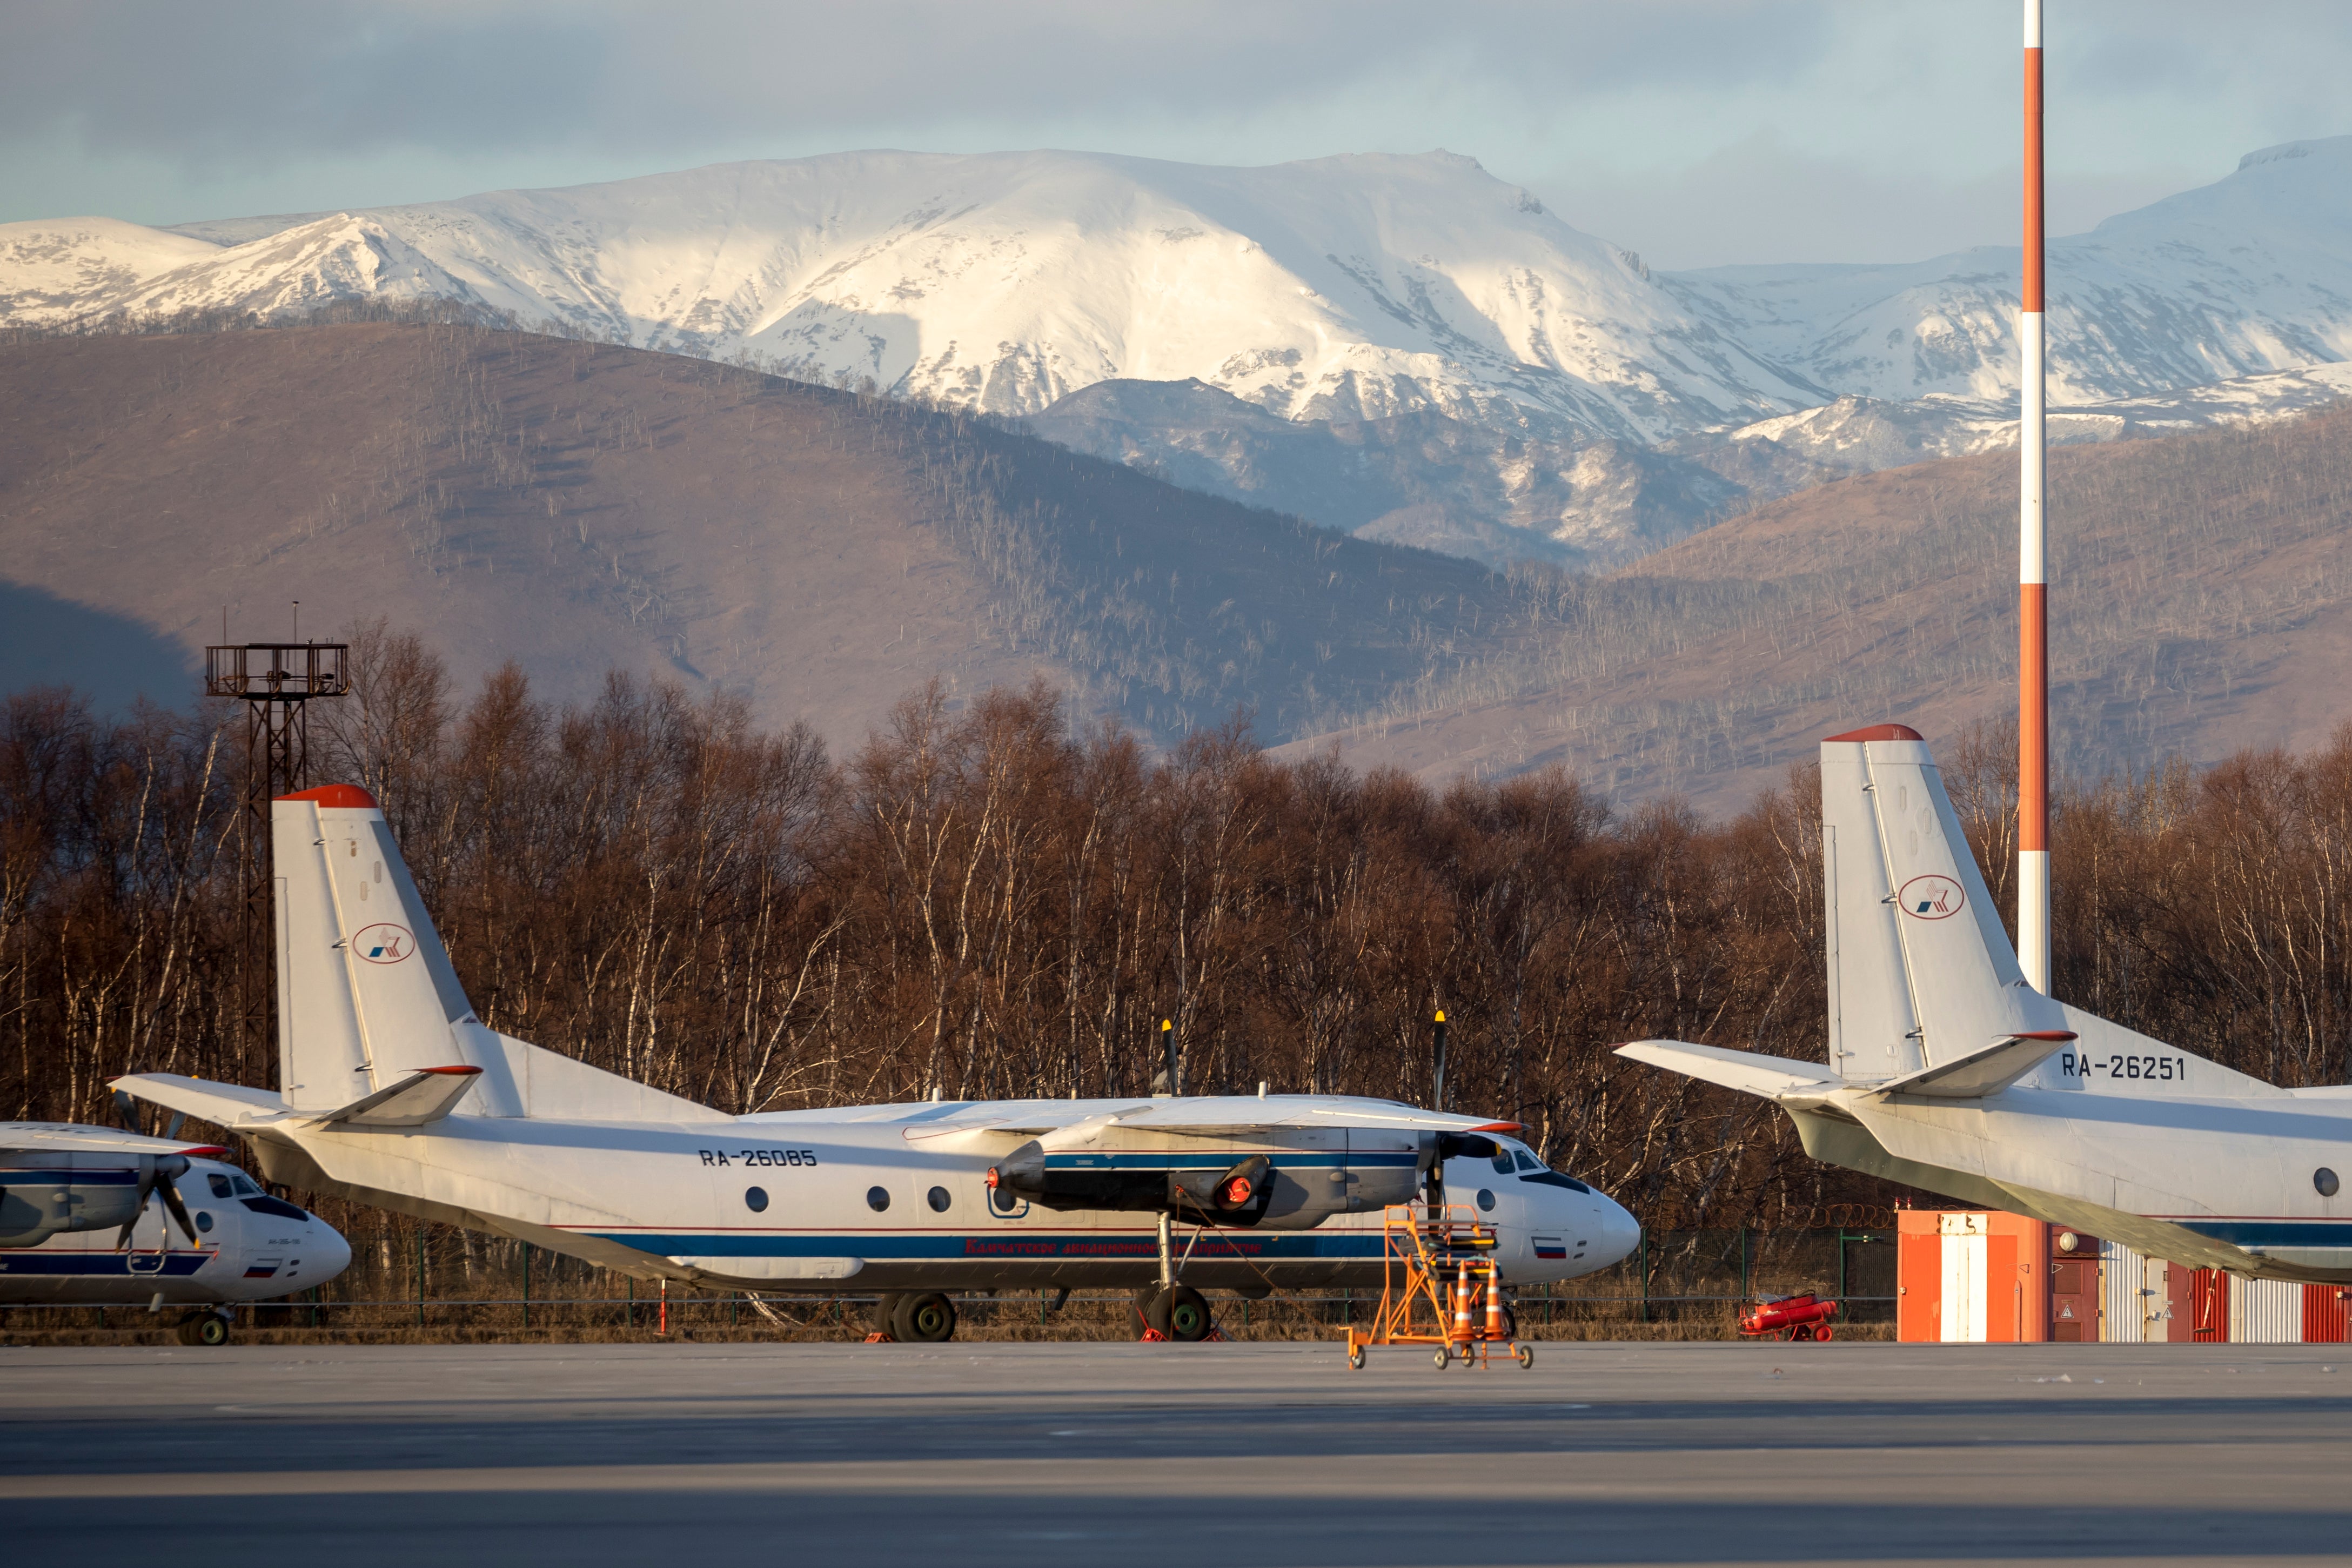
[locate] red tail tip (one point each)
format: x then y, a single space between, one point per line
346 797
1880 732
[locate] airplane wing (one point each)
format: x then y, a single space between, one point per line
1246 1114
58 1138
1768 1077
1224 1116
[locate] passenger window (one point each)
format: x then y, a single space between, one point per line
247 1187
220 1186
1527 1162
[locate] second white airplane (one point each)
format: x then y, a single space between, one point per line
395 1094
1946 1070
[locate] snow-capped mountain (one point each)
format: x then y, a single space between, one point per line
1353 287
1419 350
2248 275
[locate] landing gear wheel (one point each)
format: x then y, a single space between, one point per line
206 1329
1151 1312
1188 1315
1355 1358
1444 1357
1526 1354
885 1312
928 1318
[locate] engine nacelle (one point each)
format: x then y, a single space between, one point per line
1236 1194
36 1204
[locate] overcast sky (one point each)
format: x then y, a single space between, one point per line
1696 132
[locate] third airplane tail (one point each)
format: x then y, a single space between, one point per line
1921 973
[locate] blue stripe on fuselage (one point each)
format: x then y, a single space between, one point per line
932 1246
2272 1232
103 1264
23 1175
1174 1160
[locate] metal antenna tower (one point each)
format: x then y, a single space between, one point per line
276 681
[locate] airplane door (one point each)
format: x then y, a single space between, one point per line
1965 1270
2073 1288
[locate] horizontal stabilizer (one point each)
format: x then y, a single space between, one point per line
1983 1072
773 1268
424 1095
1770 1078
223 1104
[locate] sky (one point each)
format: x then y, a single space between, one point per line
1697 132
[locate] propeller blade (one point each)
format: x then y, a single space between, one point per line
139 1210
164 1175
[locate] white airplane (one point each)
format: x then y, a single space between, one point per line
64 1187
1948 1072
379 1047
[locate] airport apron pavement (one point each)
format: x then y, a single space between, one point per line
1020 1454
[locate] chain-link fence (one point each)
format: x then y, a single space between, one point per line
412 1281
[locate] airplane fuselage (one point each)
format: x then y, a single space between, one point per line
2253 1185
896 1197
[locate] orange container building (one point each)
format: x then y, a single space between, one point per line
1972 1276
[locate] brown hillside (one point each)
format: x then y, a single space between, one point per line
579 507
2199 605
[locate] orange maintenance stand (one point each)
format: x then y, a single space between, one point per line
1421 1253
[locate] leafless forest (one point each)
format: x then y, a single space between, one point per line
991 899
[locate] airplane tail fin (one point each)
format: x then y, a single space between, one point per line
1921 973
367 998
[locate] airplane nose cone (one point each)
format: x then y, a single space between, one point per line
328 1254
1620 1234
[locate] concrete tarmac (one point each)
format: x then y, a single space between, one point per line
1026 1455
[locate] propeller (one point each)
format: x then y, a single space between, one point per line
156 1173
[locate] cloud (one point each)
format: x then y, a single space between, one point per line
263 79
1697 129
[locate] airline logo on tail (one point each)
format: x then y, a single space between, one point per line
1932 898
383 943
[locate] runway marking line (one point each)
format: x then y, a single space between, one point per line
2027 1474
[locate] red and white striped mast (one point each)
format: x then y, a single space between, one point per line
2033 571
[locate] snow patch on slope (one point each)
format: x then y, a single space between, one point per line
2247 275
1354 287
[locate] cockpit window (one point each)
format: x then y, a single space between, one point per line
1527 1161
220 1186
246 1186
1501 1162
